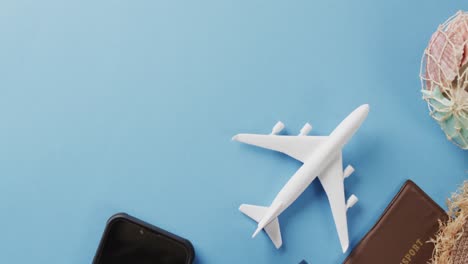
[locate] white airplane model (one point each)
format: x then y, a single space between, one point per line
321 157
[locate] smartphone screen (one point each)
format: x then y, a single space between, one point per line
127 242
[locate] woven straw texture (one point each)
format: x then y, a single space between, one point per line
451 242
460 253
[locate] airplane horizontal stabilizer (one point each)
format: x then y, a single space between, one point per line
272 229
253 211
274 232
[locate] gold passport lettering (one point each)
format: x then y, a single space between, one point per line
407 259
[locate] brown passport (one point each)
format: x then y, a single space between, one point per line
402 233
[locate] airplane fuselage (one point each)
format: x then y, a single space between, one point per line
318 160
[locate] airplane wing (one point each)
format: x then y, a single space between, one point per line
333 183
297 147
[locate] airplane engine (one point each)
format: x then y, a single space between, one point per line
352 200
305 130
277 128
348 171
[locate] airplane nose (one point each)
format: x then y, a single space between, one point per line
366 107
363 109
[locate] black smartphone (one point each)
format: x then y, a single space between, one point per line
128 240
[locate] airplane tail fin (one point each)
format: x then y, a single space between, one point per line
272 229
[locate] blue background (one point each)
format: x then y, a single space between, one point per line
109 106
